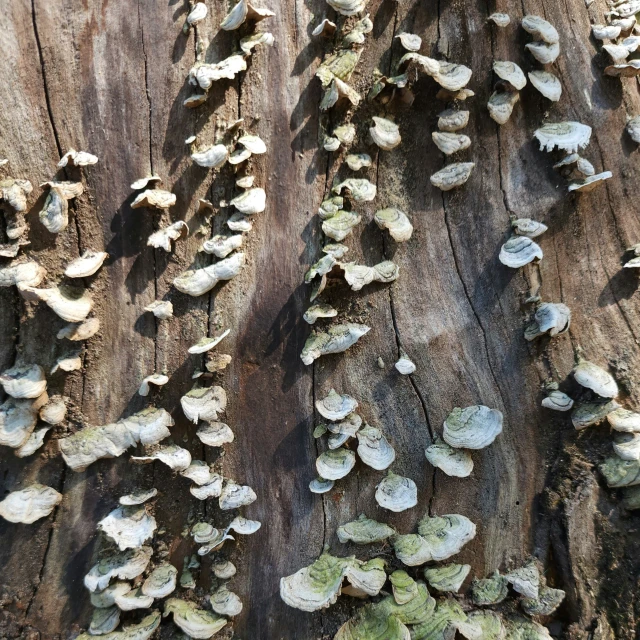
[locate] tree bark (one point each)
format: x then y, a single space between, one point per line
110 78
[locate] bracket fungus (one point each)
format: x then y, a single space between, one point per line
195 622
336 339
204 403
14 192
77 159
364 531
357 161
207 343
545 604
453 462
540 29
547 84
212 157
215 434
438 538
175 457
154 198
221 246
519 251
335 464
601 382
17 421
620 473
224 569
161 309
410 41
633 129
24 381
156 379
358 276
525 580
359 189
138 497
447 578
500 19
396 222
104 621
501 104
551 318
450 143
404 365
627 446
385 133
452 176
528 227
474 427
123 565
624 420
374 449
54 411
72 304
451 121
225 602
197 14
319 311
320 485
348 7
590 413
256 39
235 495
129 527
250 202
318 586
162 238
543 52
326 29
396 493
33 443
488 591
511 73
86 265
590 182
566 136
29 504
24 275
55 213
200 281
242 12
558 401
339 225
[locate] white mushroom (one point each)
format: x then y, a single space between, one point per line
215 434
175 457
206 344
452 176
154 198
29 504
540 29
396 493
17 421
54 411
543 52
474 427
204 75
374 449
124 565
234 496
624 420
320 485
86 265
550 318
243 11
211 157
137 497
33 443
339 226
200 281
385 133
336 339
547 84
79 332
510 72
360 189
104 621
197 14
558 401
404 365
410 41
143 183
326 29
518 251
161 309
204 403
157 379
454 462
348 7
501 104
225 602
450 143
447 578
500 19
335 464
77 159
221 246
335 406
24 381
162 238
396 222
72 304
211 489
22 274
358 275
149 426
451 121
128 527
591 182
55 213
250 202
605 32
528 227
195 622
627 446
525 580
566 136
591 376
356 161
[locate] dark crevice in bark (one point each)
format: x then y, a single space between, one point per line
466 293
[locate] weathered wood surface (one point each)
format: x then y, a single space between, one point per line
110 78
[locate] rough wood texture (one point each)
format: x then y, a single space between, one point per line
110 78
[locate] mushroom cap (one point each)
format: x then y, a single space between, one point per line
591 376
161 581
540 29
29 504
396 222
448 577
24 381
124 565
453 462
452 176
335 464
474 427
519 251
385 133
510 72
128 527
335 406
567 136
364 531
195 622
396 493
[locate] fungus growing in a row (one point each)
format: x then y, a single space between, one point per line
29 504
348 7
357 161
601 382
547 84
195 622
374 449
319 311
501 104
488 591
215 434
213 539
336 339
225 602
137 497
175 457
438 538
140 631
123 565
318 586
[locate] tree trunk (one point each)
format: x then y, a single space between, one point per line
110 78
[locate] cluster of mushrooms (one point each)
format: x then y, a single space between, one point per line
126 577
409 611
